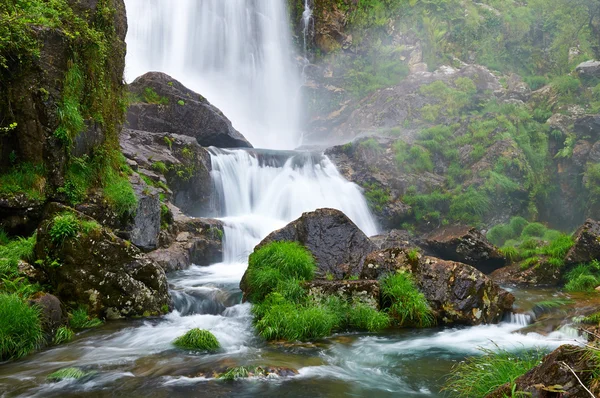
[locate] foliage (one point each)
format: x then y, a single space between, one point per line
67 373
241 372
413 158
79 319
24 178
584 277
197 339
151 97
13 251
363 317
404 302
481 375
377 197
20 327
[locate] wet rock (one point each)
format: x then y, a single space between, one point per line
588 126
553 378
587 243
189 241
395 238
52 313
466 245
338 245
541 274
20 215
97 269
182 112
589 69
186 169
363 291
456 292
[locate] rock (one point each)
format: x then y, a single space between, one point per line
52 313
456 292
588 126
536 276
587 243
189 241
97 269
363 291
466 245
20 215
588 69
187 167
553 378
185 112
395 238
338 245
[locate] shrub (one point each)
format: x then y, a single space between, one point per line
20 327
517 224
197 339
534 229
67 373
80 319
275 262
404 302
499 234
64 226
469 206
479 376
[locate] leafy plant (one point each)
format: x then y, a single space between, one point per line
20 327
64 226
404 302
79 319
63 335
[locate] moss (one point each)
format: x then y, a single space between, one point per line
198 339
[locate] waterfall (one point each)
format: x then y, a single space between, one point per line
263 190
306 20
236 53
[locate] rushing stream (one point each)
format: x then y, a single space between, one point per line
237 53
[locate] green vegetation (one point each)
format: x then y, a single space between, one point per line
79 319
20 327
24 178
404 302
481 375
63 335
377 197
197 339
67 373
11 251
583 278
151 97
242 372
64 226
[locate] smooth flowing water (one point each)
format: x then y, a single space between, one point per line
236 53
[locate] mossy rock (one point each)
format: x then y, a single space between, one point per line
198 339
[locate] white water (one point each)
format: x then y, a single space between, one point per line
236 53
262 191
306 23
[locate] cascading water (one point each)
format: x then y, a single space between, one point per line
306 23
236 53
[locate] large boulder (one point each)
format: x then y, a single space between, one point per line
166 105
554 376
338 245
52 313
363 291
174 162
189 241
91 266
466 245
587 243
456 292
589 68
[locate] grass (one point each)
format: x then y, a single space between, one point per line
79 319
64 226
11 251
20 327
377 197
63 335
583 278
151 97
25 178
66 373
197 339
404 302
481 375
242 372
275 262
363 317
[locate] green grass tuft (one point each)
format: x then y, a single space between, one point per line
79 319
64 226
481 375
20 327
584 277
404 302
63 335
25 178
197 339
66 373
363 317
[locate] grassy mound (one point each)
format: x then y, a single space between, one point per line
584 277
66 373
197 339
20 327
404 302
479 376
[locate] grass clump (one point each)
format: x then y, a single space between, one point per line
197 339
243 372
275 262
66 373
63 335
11 251
80 319
64 226
584 277
481 375
20 327
24 178
363 317
404 302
